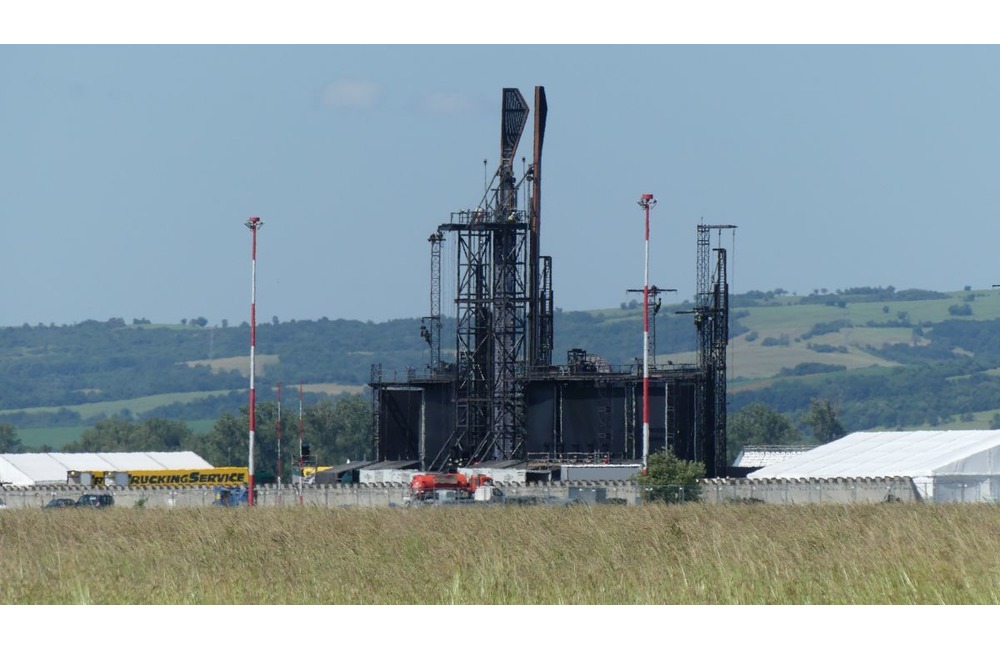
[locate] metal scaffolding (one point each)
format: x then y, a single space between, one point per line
501 398
711 321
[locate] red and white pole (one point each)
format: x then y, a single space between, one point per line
301 463
301 438
646 203
278 429
254 224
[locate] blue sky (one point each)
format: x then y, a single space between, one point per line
128 171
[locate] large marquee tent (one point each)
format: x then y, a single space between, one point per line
53 468
944 465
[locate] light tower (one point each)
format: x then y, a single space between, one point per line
646 202
254 224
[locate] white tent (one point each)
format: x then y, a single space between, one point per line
944 465
764 455
42 469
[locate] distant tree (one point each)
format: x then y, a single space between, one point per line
758 424
225 322
122 434
165 435
960 310
10 443
112 434
671 479
200 321
340 430
226 444
822 421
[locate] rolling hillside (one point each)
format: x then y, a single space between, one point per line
885 358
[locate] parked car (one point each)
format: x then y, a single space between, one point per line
61 502
95 501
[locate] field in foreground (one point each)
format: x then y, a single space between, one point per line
659 555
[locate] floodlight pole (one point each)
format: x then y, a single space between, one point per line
254 224
646 202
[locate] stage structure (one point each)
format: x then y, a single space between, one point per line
500 398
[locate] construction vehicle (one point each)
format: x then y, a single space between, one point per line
452 487
213 476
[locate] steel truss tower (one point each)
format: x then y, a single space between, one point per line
711 321
503 301
430 326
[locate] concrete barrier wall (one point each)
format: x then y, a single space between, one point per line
792 491
715 491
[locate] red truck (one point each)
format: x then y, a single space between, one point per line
424 486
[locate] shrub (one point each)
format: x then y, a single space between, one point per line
960 310
671 479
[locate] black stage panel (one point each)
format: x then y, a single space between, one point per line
598 416
405 409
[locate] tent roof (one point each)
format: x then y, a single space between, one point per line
11 474
873 454
30 469
764 455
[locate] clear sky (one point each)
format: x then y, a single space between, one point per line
127 171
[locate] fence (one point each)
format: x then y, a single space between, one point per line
712 491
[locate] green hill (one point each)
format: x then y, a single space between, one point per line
885 358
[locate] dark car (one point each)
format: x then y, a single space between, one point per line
60 503
95 501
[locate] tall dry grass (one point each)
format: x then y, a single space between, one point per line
687 554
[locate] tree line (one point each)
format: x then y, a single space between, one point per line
333 430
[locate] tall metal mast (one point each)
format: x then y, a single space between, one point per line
495 295
254 224
430 327
646 202
539 276
277 428
712 324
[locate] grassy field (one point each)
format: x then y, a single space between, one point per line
240 364
691 554
136 406
331 389
54 437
